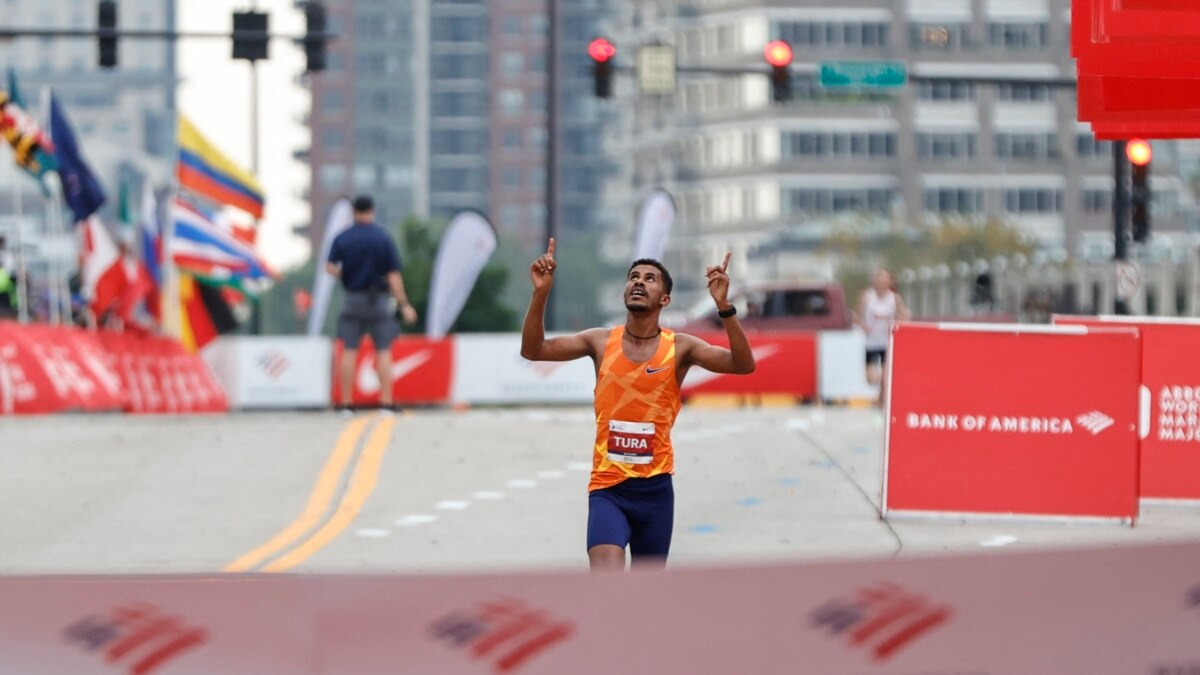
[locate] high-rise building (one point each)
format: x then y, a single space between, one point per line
440 105
753 174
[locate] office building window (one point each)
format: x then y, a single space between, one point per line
512 102
1086 145
832 34
334 139
1019 36
511 178
459 66
332 177
953 200
458 142
945 145
1023 92
939 36
1027 146
838 144
511 139
458 104
512 64
459 28
801 201
511 25
1097 200
943 90
1033 200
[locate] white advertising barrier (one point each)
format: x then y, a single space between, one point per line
1114 610
273 371
841 366
489 368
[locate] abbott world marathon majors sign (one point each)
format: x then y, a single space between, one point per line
1029 420
1170 452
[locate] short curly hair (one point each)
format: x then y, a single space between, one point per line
668 284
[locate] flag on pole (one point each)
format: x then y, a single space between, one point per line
205 249
466 246
102 270
34 149
204 314
340 217
81 190
206 171
150 246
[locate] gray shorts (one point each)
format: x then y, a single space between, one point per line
367 313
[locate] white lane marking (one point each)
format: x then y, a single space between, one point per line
579 466
372 532
415 519
999 540
799 424
549 475
488 494
452 504
521 483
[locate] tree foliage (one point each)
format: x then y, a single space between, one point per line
861 249
485 310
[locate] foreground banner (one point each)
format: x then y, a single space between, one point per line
1170 452
999 614
1028 420
422 370
272 371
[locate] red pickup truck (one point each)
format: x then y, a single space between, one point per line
779 306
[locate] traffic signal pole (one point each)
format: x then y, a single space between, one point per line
551 141
1120 216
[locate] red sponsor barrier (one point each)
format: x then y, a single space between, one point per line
1038 421
786 364
46 369
422 371
1170 453
159 376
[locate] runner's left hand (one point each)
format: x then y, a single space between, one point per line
718 281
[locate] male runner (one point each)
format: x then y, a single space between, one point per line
639 370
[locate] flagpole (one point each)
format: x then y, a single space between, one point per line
50 221
22 272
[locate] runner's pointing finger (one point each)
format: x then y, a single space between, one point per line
725 265
550 249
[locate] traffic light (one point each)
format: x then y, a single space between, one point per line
602 52
779 56
314 36
1139 153
250 35
106 33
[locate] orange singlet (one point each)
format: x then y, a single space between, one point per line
636 406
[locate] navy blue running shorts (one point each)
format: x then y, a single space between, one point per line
637 512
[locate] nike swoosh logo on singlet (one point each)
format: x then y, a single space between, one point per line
651 371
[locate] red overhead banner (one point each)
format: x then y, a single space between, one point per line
1170 453
1037 421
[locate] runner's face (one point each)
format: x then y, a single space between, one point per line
644 289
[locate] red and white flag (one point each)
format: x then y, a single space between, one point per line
104 277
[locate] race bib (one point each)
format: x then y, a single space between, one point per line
630 442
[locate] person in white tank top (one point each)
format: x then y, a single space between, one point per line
879 307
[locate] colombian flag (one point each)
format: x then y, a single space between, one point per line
204 170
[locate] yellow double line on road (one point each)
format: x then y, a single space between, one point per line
291 546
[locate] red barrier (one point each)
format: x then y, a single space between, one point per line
45 369
1013 420
787 364
49 369
159 376
422 371
1170 456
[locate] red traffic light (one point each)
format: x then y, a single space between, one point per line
1138 151
601 50
778 53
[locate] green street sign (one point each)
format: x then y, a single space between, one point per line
863 74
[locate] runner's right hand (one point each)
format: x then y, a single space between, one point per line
541 272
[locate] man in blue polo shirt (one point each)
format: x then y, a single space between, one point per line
366 260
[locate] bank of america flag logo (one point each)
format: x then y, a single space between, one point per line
274 363
1094 421
882 619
